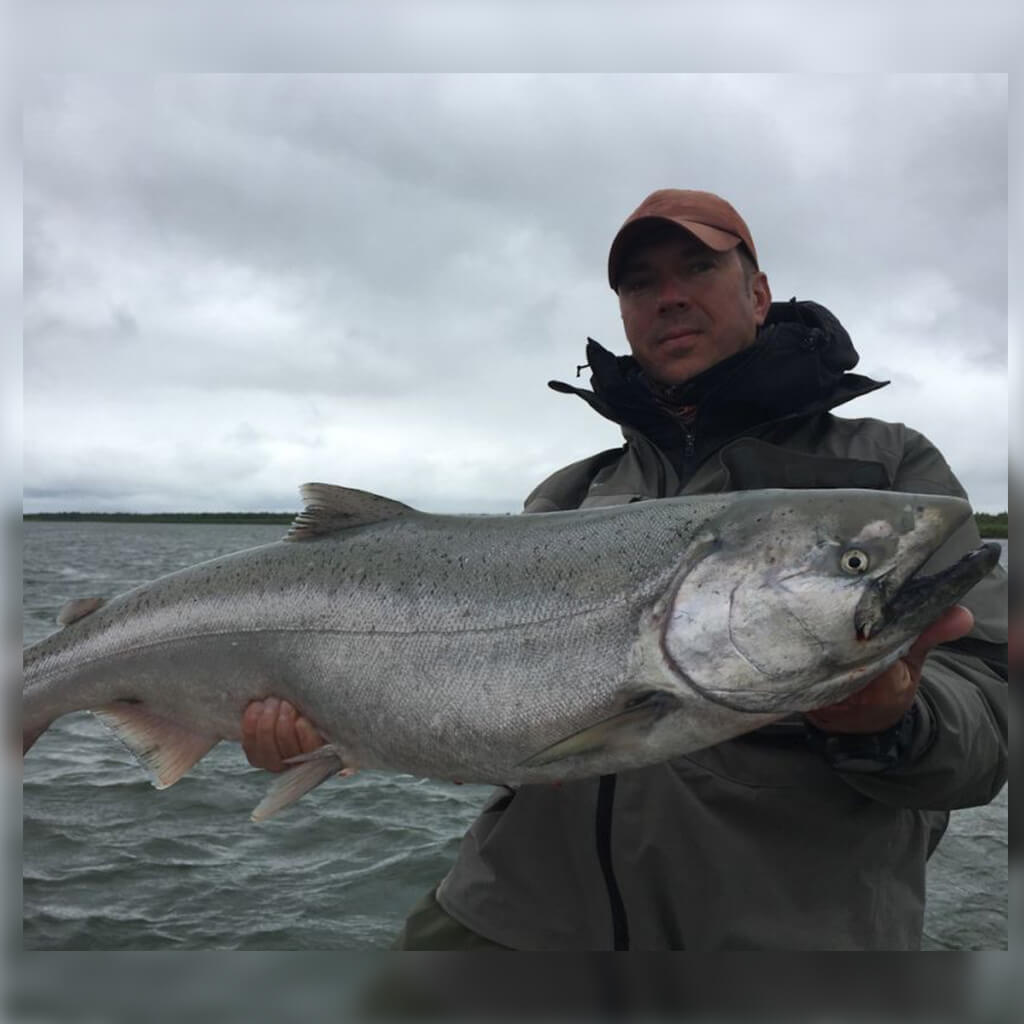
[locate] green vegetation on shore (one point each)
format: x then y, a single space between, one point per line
995 526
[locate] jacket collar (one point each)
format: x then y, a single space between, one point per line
802 349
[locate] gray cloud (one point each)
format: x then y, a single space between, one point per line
369 278
488 35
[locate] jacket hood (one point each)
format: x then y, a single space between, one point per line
801 349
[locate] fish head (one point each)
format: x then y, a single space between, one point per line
790 600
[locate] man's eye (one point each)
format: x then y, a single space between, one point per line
635 284
700 266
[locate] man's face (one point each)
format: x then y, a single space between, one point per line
686 307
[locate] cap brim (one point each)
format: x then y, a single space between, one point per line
629 234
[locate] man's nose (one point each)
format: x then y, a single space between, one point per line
673 290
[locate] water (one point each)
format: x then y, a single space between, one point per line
109 863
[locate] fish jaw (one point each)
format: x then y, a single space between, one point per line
916 600
767 613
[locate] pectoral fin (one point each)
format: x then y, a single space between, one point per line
624 729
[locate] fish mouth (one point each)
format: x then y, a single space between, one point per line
921 599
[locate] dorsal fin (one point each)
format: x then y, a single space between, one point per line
330 509
78 609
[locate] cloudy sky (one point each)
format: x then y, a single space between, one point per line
234 284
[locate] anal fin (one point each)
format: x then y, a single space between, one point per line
308 772
166 748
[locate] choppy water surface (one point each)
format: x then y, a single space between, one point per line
109 863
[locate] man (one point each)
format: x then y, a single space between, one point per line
811 833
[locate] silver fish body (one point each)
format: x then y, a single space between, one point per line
509 649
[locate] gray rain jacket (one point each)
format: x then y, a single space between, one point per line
756 843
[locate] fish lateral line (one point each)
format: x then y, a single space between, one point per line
319 630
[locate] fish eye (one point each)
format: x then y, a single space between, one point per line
854 561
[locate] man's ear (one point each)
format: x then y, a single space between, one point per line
762 296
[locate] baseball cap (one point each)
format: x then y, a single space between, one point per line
714 221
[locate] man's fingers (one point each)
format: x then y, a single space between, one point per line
295 734
954 623
273 731
266 736
883 701
309 738
285 737
250 718
250 729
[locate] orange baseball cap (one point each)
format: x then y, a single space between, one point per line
709 217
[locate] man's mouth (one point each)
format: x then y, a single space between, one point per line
678 335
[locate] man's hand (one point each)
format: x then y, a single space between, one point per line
884 701
272 731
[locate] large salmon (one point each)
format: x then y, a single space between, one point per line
511 649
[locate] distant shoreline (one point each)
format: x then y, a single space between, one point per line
993 527
160 517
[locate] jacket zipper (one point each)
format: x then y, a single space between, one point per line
606 786
691 441
603 836
689 451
